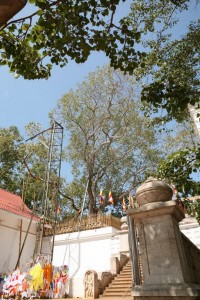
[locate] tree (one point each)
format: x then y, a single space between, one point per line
23 166
181 161
42 162
110 146
57 31
171 68
171 82
10 159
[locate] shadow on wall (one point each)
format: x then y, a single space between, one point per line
72 258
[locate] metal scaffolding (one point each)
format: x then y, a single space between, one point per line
50 195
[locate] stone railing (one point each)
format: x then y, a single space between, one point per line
87 223
193 259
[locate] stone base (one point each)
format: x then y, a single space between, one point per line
182 291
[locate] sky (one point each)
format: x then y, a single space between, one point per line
23 101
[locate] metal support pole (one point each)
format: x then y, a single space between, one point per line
133 251
82 208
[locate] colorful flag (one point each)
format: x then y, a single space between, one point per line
124 204
175 192
101 197
131 201
110 198
58 208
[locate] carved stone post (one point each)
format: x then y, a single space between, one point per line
164 265
91 285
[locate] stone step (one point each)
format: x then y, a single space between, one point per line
126 270
123 278
117 289
124 274
117 293
121 284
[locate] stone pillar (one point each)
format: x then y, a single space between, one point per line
164 265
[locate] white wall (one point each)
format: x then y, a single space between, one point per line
9 240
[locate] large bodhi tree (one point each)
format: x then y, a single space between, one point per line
110 146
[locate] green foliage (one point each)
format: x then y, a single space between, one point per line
23 165
179 168
176 79
171 65
10 159
192 208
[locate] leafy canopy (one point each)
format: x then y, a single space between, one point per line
61 30
171 67
10 159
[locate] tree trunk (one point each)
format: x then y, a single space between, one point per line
92 202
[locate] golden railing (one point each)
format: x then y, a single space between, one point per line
87 223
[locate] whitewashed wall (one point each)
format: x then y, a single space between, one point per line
9 240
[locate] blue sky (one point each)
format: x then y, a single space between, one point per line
23 101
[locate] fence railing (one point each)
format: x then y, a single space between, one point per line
89 222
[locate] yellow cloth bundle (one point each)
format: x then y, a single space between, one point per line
37 277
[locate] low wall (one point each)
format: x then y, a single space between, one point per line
193 259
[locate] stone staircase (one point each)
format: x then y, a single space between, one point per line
121 286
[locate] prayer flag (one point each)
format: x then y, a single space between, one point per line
110 198
175 192
101 197
124 204
58 209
